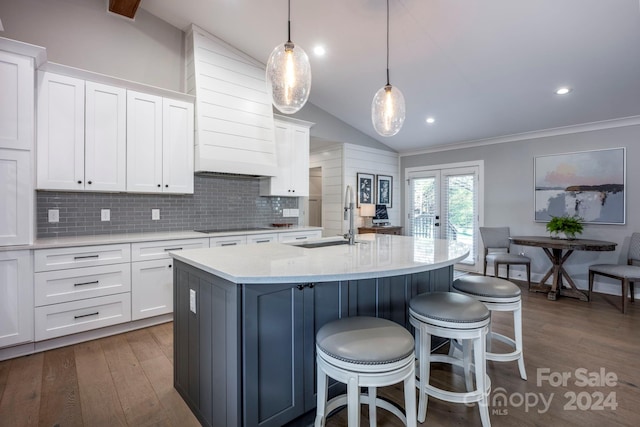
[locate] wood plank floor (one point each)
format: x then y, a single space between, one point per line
127 380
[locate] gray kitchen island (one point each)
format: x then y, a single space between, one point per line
245 317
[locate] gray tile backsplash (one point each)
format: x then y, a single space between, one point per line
219 202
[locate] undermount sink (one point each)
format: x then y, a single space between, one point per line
312 245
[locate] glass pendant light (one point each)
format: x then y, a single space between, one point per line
288 75
388 108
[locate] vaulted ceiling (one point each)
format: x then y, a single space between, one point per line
482 69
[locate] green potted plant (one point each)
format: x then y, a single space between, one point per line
567 225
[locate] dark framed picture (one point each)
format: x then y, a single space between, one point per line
365 190
385 190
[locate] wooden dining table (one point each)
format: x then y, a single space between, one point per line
558 251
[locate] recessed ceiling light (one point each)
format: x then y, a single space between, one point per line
563 91
431 120
319 50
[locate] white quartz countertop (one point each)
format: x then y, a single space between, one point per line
106 239
376 255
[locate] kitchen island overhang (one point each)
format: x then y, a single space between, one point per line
245 317
373 256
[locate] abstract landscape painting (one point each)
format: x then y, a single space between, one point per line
588 184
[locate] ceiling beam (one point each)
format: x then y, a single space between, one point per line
126 8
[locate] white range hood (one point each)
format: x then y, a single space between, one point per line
234 128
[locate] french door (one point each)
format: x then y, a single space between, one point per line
443 203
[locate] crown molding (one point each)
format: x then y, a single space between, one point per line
565 130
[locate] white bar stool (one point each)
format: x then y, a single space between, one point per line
498 295
365 352
455 316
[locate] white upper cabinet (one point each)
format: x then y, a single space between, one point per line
16 194
292 150
81 135
105 138
159 144
16 101
60 153
17 81
177 146
144 142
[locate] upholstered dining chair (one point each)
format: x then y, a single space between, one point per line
627 274
496 251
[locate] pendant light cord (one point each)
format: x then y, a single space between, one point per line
289 23
388 43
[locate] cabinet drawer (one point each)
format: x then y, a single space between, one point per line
262 238
56 320
53 287
84 256
160 249
227 241
297 236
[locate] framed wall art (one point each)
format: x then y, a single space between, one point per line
384 186
587 184
365 189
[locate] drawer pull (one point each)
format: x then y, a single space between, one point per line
228 244
86 256
95 282
301 238
172 249
86 315
263 241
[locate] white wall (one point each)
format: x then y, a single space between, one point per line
508 190
82 34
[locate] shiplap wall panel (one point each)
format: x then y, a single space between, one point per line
376 162
330 161
234 117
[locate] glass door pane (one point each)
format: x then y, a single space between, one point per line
443 204
459 209
424 213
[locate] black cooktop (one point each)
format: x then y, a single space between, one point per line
231 230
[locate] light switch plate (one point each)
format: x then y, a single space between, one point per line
105 215
54 215
155 214
192 300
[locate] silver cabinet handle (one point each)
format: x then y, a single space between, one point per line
172 249
263 241
228 244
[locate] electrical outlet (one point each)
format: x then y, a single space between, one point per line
105 215
287 213
155 214
54 215
192 300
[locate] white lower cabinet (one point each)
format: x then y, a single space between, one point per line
262 238
227 241
53 287
81 288
152 292
152 275
299 236
56 320
16 298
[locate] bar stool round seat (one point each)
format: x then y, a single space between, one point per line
498 295
455 316
365 352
